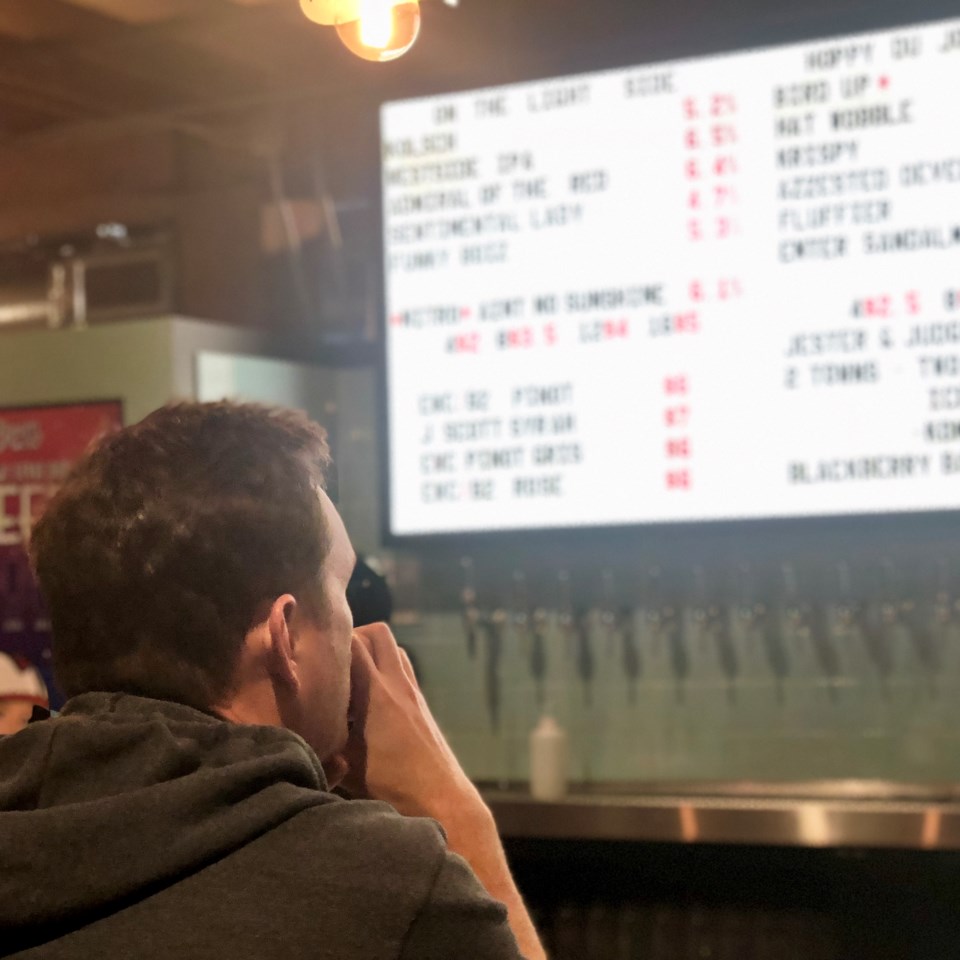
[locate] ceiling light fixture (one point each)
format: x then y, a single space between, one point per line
377 30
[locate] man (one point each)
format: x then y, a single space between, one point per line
180 806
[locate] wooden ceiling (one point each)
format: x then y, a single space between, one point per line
69 62
253 78
69 66
198 114
185 112
248 79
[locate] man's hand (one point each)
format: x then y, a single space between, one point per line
396 751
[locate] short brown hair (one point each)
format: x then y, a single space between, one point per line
164 542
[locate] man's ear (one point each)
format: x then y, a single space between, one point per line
283 662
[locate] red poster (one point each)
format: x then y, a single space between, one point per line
38 445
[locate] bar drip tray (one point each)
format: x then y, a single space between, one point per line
848 813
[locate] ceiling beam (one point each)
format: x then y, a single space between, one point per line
179 25
228 50
129 73
33 20
180 70
144 11
65 81
123 39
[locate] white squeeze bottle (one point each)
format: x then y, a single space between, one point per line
548 760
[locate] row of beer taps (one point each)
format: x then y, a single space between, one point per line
870 609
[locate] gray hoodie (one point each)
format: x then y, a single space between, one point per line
142 829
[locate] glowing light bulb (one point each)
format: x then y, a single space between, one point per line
384 29
376 24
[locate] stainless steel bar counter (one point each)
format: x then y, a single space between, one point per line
823 814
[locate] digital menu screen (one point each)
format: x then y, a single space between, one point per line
716 289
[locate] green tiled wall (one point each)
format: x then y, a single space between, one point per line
855 727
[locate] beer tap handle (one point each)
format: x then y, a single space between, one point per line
608 612
923 636
471 618
520 619
928 651
632 662
944 610
662 617
749 610
679 656
943 602
493 627
917 628
774 643
812 620
566 618
877 629
877 644
699 616
825 650
538 655
726 651
468 607
586 666
765 620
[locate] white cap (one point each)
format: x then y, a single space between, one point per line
20 680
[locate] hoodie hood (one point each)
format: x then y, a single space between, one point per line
121 796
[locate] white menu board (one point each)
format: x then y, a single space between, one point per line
721 288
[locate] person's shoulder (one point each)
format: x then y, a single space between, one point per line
371 835
372 864
363 816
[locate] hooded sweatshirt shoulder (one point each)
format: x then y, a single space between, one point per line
145 829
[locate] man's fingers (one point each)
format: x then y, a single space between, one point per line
408 667
383 648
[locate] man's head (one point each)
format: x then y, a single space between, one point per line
195 557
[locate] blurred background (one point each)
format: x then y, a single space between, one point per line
712 535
